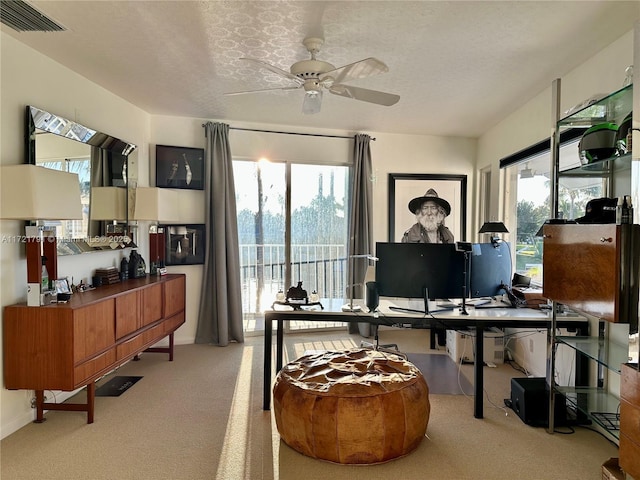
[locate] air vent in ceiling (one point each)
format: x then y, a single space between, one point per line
23 17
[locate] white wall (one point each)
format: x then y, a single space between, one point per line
603 73
29 78
390 154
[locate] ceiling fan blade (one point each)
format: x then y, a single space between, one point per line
263 90
312 103
364 68
276 70
365 95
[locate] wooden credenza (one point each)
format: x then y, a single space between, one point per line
66 346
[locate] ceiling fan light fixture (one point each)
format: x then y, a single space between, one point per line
312 102
526 172
312 87
315 76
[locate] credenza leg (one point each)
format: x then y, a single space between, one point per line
88 407
39 407
168 349
91 397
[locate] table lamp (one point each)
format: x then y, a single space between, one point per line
108 204
494 227
156 205
31 192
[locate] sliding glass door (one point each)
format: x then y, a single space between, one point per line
292 227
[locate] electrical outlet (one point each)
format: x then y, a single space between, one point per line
531 345
33 401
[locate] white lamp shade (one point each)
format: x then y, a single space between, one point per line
156 204
191 206
30 192
108 203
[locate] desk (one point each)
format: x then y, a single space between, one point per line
480 318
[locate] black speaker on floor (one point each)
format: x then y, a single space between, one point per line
530 401
372 297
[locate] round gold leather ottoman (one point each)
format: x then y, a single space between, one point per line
354 406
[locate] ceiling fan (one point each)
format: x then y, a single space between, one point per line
315 75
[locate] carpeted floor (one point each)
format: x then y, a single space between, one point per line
442 374
200 417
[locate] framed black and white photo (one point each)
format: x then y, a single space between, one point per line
61 285
179 167
449 192
184 244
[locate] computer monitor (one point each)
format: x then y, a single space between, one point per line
490 268
406 269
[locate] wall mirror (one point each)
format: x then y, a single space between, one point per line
105 168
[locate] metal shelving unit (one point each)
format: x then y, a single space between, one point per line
594 402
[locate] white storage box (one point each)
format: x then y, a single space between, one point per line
461 345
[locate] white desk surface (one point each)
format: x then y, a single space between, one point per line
498 311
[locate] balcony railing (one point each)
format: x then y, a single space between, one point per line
320 268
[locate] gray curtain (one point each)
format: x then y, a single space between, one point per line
361 216
220 317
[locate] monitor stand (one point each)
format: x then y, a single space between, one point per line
425 296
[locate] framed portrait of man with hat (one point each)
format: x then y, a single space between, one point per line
427 208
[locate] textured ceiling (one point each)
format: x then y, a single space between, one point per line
458 67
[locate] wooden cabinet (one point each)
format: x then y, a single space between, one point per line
630 420
591 268
68 346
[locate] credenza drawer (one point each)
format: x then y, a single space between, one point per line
171 324
130 347
154 334
151 304
93 367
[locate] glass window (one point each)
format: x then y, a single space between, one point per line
317 225
528 205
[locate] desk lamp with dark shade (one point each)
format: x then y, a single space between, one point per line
35 193
494 228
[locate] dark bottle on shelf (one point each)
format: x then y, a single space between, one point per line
124 269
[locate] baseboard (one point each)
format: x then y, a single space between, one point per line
27 416
16 424
522 361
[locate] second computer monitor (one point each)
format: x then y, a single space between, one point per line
490 269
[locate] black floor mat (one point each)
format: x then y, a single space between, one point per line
116 386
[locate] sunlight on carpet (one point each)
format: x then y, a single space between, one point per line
441 373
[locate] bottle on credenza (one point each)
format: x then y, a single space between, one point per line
619 211
124 269
624 210
629 209
45 276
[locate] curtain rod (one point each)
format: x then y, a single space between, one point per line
292 133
